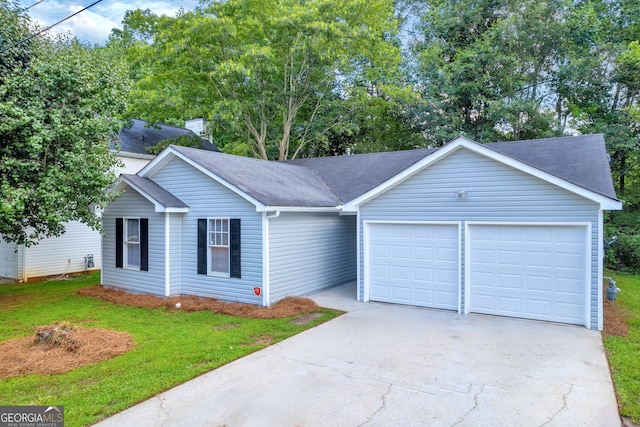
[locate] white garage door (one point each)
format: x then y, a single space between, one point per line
532 272
414 264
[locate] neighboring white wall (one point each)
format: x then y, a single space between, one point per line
8 260
64 254
132 162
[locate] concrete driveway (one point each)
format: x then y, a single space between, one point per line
387 365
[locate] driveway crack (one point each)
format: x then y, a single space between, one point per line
384 403
163 410
564 406
475 406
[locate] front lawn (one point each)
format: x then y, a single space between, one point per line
624 352
171 347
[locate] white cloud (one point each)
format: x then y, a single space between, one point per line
95 24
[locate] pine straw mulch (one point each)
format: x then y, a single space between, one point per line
615 317
59 348
287 307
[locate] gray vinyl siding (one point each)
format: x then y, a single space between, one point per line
207 198
132 205
309 252
495 192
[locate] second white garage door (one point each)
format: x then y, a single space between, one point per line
532 272
415 264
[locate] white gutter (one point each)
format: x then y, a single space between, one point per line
277 209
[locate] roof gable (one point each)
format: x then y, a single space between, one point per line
589 187
262 182
162 199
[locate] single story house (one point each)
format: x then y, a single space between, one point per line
69 253
511 229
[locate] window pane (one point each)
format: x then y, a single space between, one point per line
225 225
133 255
133 230
220 260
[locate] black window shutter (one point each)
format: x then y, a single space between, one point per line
235 248
202 246
119 242
144 244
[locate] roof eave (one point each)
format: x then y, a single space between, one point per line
158 206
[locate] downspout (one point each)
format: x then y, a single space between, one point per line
167 255
266 291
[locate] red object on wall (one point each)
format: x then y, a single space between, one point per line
257 291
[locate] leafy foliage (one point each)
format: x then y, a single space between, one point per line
271 77
58 111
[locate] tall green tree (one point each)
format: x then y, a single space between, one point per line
271 76
58 113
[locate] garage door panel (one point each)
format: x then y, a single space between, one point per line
542 276
423 264
511 305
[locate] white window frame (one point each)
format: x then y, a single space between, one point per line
218 242
126 243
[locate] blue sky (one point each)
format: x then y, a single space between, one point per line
94 25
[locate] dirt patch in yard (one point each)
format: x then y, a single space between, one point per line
287 307
59 348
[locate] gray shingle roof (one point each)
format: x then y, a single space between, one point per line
136 138
331 181
271 183
581 160
155 191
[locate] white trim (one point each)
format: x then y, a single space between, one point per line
587 246
125 243
600 269
265 259
228 246
167 255
169 153
463 143
25 276
332 209
134 155
359 294
266 271
366 238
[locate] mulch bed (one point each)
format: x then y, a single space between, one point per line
287 307
59 348
615 317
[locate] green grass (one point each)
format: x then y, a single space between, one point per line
171 347
624 352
